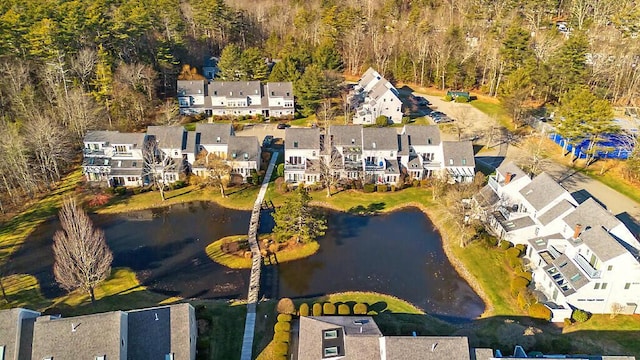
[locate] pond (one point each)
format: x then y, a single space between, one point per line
398 254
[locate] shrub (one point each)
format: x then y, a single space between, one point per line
491 241
99 200
304 309
522 248
382 120
406 119
512 252
393 188
280 170
580 315
178 184
424 182
344 309
360 309
448 98
415 183
381 188
120 190
329 309
286 306
518 284
282 326
461 99
504 244
524 274
525 298
540 311
567 322
281 348
369 188
284 317
317 309
282 336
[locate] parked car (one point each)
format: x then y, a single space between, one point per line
283 126
268 140
436 114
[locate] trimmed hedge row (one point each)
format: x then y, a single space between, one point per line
319 309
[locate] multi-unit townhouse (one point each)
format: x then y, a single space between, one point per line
581 256
114 158
120 159
164 332
236 98
375 96
302 155
376 155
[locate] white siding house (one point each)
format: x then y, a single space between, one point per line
375 96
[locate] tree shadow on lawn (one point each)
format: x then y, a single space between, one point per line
372 209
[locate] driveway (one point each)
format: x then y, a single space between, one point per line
475 122
261 130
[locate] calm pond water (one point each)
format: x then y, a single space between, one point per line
397 253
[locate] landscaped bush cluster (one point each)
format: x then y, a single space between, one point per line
381 188
178 185
369 188
448 98
327 308
580 315
461 99
504 245
282 328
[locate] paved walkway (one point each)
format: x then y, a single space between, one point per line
256 262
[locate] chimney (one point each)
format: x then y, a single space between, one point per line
507 178
577 231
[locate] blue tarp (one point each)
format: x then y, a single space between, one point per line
617 144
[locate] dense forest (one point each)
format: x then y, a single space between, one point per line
70 65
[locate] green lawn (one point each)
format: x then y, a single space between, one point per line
238 197
221 326
494 110
614 182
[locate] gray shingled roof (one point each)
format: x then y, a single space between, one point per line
392 168
279 89
601 243
193 139
344 134
486 197
458 151
541 242
512 168
234 89
570 272
367 77
99 135
304 138
555 212
94 335
414 163
210 133
427 347
191 87
115 137
158 331
10 337
541 191
241 145
403 144
169 137
380 89
361 341
592 214
421 134
383 138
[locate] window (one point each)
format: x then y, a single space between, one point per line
168 356
295 144
604 286
121 148
101 357
218 139
464 162
331 351
610 267
429 141
627 286
450 161
2 352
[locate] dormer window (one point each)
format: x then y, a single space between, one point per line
429 141
215 92
218 139
450 161
240 92
464 161
273 93
246 156
288 94
295 144
373 145
234 155
230 93
353 141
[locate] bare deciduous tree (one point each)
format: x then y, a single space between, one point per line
82 257
157 165
218 172
330 161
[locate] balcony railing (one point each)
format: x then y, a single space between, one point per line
588 269
493 183
555 253
294 167
122 154
430 164
372 167
93 152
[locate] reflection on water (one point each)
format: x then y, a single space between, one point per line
398 254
